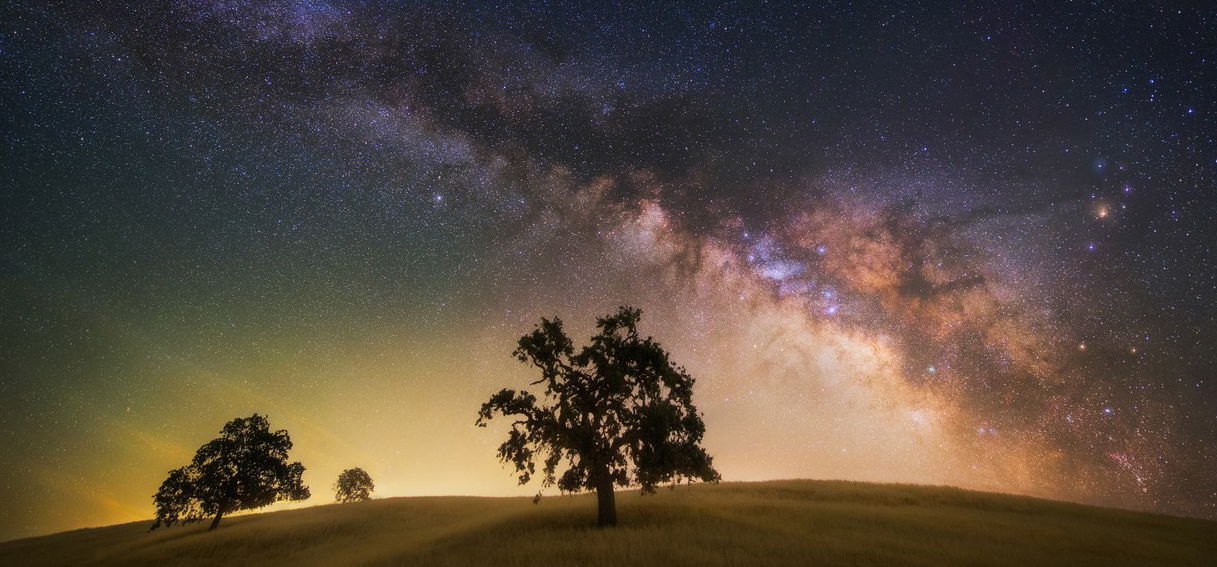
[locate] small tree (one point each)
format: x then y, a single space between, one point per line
353 485
244 468
618 412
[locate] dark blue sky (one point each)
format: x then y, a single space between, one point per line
1021 198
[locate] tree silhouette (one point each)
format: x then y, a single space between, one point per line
618 412
244 468
353 485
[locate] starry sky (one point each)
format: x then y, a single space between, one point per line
948 244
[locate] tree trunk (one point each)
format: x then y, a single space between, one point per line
216 521
606 502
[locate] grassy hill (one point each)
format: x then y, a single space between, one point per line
768 523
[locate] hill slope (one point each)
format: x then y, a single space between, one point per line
769 523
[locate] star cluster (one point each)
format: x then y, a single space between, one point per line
966 245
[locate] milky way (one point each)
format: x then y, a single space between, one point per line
967 246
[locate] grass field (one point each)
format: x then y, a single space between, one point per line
767 523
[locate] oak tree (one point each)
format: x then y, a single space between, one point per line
618 412
353 485
244 468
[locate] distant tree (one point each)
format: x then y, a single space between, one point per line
618 412
244 468
353 485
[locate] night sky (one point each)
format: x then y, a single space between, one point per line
967 245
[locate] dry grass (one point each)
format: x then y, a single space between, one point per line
770 523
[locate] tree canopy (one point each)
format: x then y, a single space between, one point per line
616 413
244 468
353 485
